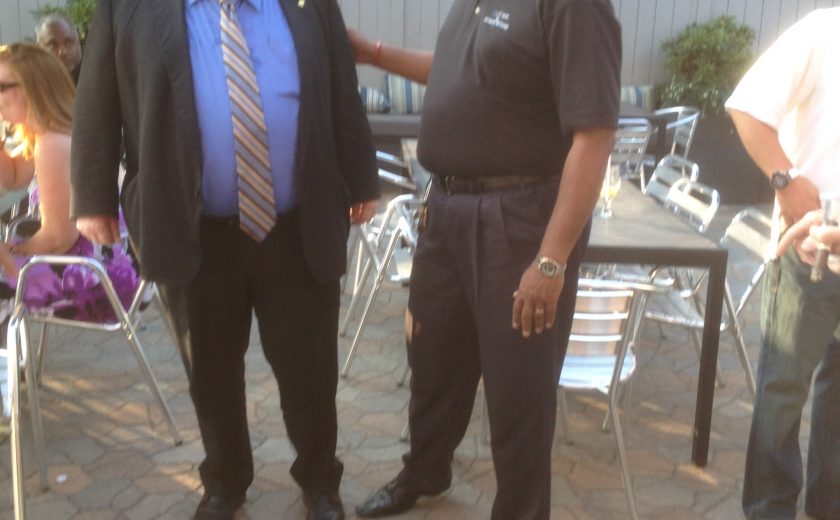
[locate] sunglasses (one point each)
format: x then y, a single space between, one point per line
6 86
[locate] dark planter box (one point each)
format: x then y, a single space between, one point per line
725 164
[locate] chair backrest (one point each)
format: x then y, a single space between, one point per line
670 169
747 238
696 202
631 140
681 128
606 321
599 321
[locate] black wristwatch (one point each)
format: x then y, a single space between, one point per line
780 179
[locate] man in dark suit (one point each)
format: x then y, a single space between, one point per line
178 79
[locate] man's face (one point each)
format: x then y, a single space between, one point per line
63 41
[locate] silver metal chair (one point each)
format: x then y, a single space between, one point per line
681 125
747 239
602 352
360 235
20 354
386 247
681 128
397 234
631 141
696 202
669 170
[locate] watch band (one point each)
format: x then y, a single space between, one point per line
780 179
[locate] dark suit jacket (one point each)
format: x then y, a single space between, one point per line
137 81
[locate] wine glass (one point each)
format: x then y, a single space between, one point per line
609 188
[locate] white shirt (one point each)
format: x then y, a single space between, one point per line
795 88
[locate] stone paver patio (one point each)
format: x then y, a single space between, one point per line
110 456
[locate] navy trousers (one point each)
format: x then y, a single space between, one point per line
468 263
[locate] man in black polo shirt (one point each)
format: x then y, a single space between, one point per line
518 121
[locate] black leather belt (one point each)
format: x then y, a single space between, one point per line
487 184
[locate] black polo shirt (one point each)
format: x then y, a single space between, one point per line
512 80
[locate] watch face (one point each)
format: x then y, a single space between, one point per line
779 180
548 268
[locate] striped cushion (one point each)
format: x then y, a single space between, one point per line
406 96
638 95
374 100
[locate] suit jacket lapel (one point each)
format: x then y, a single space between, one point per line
175 54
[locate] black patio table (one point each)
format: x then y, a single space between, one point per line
643 232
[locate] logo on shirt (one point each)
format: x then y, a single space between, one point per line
499 19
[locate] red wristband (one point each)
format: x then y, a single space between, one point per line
377 51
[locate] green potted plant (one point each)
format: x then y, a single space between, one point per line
80 12
704 63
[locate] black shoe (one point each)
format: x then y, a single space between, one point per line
395 497
218 507
323 506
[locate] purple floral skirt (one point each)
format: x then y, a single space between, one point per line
73 291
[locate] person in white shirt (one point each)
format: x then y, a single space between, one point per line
787 112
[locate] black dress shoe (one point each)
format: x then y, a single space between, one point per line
323 506
395 497
218 507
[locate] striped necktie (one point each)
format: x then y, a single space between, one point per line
257 210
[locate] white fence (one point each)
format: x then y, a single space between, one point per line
415 23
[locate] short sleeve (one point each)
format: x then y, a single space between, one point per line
584 45
780 79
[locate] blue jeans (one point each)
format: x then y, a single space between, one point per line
800 332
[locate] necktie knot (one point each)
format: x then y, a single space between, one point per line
228 5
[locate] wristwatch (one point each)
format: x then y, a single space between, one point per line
549 267
780 179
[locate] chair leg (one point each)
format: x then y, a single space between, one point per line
352 241
34 406
622 455
623 391
131 336
374 291
367 250
13 401
740 345
361 279
697 340
42 353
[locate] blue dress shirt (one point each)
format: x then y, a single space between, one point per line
276 66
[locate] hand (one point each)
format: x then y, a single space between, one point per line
800 197
100 229
535 301
7 261
807 235
363 49
363 212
